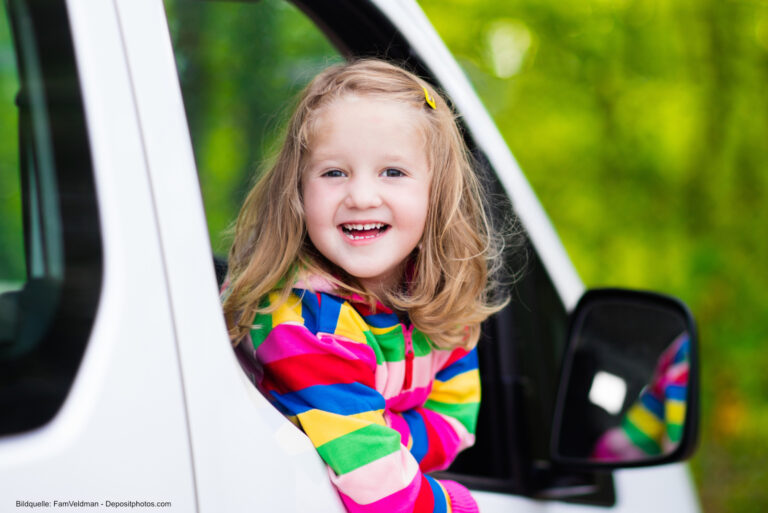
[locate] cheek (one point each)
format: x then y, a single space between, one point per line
414 210
319 209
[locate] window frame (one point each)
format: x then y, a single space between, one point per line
519 376
36 382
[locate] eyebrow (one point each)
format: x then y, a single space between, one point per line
322 162
322 158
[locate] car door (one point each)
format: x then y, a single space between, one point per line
90 387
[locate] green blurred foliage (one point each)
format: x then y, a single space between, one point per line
12 267
643 127
240 66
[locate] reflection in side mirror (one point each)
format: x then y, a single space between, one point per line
629 389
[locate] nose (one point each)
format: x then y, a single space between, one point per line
362 193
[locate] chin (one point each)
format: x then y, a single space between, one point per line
366 276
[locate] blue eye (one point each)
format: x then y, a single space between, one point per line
334 173
392 172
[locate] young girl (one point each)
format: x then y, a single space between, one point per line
358 279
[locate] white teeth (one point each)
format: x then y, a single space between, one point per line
358 226
349 230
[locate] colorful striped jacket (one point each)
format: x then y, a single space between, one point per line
378 401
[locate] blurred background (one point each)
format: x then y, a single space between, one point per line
641 124
643 127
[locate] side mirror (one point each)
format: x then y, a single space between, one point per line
629 391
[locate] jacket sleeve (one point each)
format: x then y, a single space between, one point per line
654 423
436 432
326 385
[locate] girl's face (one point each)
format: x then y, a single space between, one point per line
366 187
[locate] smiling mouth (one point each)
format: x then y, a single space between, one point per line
360 231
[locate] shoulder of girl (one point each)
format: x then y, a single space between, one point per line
317 311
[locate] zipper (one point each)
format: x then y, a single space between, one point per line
408 378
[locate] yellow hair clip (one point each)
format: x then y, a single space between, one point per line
429 99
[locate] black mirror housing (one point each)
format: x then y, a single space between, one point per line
629 387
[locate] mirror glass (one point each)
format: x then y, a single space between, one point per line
625 390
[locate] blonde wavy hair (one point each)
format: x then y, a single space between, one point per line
450 290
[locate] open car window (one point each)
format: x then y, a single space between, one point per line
240 66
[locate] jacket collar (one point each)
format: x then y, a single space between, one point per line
320 284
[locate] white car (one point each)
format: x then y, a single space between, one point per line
119 388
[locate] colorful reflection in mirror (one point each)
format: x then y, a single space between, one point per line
653 425
626 384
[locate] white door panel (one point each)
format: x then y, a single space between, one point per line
121 434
